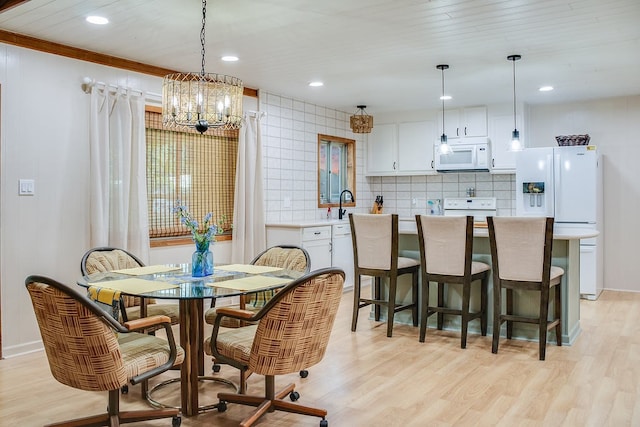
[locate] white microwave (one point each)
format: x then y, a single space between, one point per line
473 157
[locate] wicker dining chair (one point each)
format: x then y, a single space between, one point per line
287 257
292 333
87 349
107 259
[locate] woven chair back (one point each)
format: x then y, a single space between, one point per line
82 350
294 334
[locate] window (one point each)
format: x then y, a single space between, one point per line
198 170
336 169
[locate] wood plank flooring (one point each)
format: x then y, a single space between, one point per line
367 379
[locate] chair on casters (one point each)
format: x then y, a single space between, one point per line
105 355
446 248
375 253
288 257
292 332
521 253
108 259
103 259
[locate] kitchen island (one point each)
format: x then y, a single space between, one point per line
566 254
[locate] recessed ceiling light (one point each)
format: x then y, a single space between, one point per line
98 20
229 58
546 88
316 84
445 97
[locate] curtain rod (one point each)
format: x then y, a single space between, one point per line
88 83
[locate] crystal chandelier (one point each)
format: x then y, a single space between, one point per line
361 122
202 100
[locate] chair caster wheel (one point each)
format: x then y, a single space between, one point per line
324 423
222 406
304 373
176 421
294 395
124 389
216 368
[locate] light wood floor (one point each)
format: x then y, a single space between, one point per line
367 379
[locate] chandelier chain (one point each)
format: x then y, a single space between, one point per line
514 93
204 20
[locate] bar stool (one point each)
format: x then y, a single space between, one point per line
446 247
375 253
521 253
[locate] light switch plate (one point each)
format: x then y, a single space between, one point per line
26 187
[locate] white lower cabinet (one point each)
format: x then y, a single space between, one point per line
316 240
327 245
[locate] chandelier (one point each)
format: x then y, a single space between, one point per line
202 100
361 122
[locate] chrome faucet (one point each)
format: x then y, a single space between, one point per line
341 211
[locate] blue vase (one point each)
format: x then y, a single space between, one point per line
202 260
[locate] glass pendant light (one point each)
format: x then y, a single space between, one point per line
516 144
444 147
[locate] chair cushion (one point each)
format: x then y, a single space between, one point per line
556 275
235 344
142 352
478 267
404 262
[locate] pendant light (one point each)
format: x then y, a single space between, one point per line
361 122
202 100
516 144
444 147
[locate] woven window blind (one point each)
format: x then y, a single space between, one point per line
198 170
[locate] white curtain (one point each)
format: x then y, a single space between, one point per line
249 238
118 186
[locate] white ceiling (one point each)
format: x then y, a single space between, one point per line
382 53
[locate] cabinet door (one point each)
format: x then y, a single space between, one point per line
415 147
381 150
319 252
503 160
342 251
474 122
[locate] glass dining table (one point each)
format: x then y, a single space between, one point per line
174 282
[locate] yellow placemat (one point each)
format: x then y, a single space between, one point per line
251 283
149 269
134 286
248 268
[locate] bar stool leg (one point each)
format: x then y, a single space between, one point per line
424 310
391 305
440 304
466 296
356 301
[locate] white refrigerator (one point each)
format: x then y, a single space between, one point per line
566 183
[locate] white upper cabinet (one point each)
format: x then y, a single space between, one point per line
503 160
464 122
382 144
401 149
